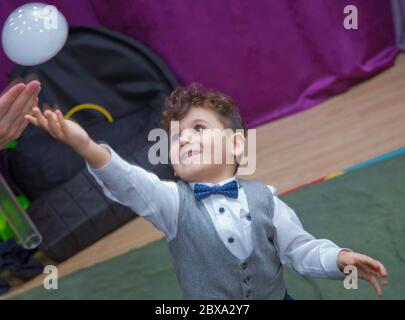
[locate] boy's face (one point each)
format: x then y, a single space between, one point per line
201 149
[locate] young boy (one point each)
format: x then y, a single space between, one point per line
229 238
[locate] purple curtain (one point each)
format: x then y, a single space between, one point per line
274 57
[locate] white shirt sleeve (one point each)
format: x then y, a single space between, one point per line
300 250
142 191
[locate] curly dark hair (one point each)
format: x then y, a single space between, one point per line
183 98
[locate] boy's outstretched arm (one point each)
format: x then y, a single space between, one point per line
130 185
319 258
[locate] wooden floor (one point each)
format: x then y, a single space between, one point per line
367 121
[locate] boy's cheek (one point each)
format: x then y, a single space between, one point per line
174 153
174 159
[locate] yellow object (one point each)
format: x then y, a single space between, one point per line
334 175
89 106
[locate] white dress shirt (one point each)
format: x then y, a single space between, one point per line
158 201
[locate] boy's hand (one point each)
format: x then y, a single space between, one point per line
66 131
72 134
368 268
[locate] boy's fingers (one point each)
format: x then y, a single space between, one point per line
370 270
61 120
379 268
382 273
378 274
53 125
375 267
42 122
32 119
382 269
368 261
373 281
376 286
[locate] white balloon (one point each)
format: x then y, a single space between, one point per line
34 33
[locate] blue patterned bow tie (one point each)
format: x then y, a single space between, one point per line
230 189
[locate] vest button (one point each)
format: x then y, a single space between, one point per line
246 280
248 294
248 217
221 210
244 265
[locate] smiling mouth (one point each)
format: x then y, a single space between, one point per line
189 154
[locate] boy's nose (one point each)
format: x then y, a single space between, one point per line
185 138
184 141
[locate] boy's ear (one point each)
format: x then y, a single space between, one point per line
238 144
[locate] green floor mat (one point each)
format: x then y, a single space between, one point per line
363 210
144 273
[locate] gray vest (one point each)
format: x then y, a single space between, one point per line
204 266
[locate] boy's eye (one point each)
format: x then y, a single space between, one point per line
199 128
